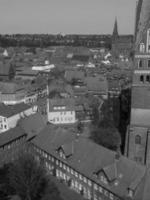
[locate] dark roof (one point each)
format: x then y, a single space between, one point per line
4 68
67 103
98 83
32 124
88 157
8 111
10 135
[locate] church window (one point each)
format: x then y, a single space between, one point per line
148 64
137 139
148 41
140 64
142 47
148 78
142 78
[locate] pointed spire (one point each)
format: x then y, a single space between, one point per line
115 30
144 20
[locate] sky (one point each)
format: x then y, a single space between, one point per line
66 16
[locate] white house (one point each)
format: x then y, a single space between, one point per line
9 115
61 111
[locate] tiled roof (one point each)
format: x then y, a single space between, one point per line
11 135
74 74
8 111
98 83
88 157
67 103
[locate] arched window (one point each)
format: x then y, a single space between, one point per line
148 78
142 47
142 78
148 63
140 64
137 139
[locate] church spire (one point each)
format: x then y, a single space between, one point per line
115 30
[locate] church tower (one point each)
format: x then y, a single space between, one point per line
115 30
138 135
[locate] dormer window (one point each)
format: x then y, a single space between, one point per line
142 47
130 193
103 179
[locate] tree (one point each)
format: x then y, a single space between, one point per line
30 180
108 137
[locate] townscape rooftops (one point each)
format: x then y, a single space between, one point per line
8 111
11 135
127 173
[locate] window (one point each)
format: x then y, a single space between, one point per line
130 193
89 183
140 63
142 78
137 139
148 63
103 179
111 196
148 78
80 177
95 187
142 47
148 41
84 179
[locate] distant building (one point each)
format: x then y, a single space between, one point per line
61 111
121 44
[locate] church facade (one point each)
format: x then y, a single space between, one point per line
138 134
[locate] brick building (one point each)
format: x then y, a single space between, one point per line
90 169
138 134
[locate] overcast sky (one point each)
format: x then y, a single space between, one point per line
66 16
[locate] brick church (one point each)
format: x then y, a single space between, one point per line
121 44
138 135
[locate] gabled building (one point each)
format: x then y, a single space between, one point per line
90 169
11 143
61 111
